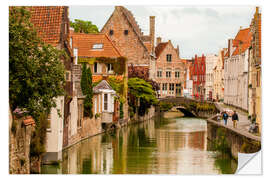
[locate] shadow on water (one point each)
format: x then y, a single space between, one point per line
160 146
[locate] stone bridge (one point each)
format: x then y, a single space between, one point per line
189 107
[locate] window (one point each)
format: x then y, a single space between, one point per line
177 74
109 67
97 46
126 32
95 67
105 102
169 58
164 87
168 73
178 89
171 87
111 32
159 73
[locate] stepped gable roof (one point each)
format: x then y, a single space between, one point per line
133 23
101 86
242 41
48 20
84 43
131 20
159 48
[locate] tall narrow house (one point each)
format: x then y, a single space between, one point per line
255 68
52 25
126 34
170 70
198 77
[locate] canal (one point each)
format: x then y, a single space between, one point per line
171 145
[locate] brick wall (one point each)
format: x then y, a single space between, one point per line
174 65
129 45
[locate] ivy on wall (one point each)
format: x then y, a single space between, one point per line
117 63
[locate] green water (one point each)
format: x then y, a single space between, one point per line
160 146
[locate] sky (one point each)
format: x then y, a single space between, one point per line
196 29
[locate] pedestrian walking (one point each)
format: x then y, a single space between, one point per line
219 116
225 117
235 119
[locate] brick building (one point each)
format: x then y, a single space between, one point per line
125 33
198 77
255 93
52 25
170 73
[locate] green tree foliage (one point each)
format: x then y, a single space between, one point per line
142 95
84 26
36 73
164 106
87 90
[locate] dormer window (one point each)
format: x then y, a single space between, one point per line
97 46
126 32
111 32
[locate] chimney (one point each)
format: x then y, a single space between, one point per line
158 40
152 32
177 51
257 10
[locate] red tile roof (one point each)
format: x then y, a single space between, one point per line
85 42
160 47
47 21
242 41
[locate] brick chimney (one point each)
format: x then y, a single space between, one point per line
177 51
152 32
158 40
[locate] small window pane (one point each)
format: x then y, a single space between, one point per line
97 46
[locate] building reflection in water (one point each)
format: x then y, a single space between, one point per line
164 146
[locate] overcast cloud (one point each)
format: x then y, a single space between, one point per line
196 29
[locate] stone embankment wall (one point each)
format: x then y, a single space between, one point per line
237 140
19 146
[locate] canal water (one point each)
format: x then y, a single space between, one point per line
173 145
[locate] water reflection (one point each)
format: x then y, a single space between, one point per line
161 146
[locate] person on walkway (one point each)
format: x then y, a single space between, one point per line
225 117
235 119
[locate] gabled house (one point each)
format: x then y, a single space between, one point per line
52 25
170 69
218 77
127 36
198 77
106 64
236 70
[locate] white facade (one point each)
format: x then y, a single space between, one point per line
189 85
211 61
55 131
236 80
